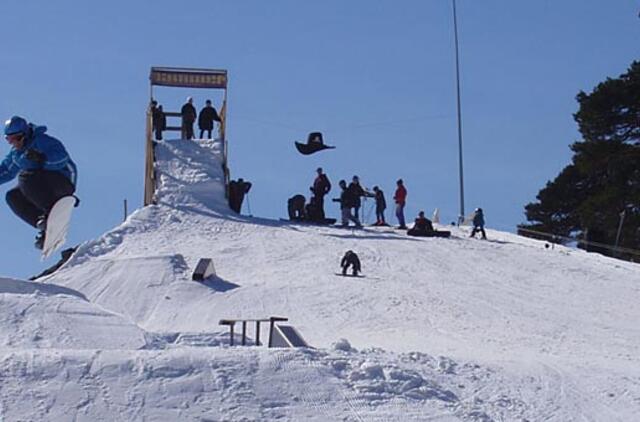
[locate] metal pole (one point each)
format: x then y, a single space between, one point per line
249 205
126 212
455 32
622 214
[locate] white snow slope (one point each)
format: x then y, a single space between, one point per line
452 329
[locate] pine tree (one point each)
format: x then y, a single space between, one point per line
588 196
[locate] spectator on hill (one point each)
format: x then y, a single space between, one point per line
400 198
237 190
321 187
207 116
381 205
356 192
478 223
347 201
422 226
188 113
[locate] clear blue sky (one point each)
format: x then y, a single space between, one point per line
376 77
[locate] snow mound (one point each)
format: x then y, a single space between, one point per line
48 316
134 286
452 329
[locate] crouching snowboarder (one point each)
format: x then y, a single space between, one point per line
44 169
350 259
295 207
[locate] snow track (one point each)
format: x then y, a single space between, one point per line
452 329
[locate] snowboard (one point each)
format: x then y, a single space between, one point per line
325 222
351 275
310 148
434 233
57 225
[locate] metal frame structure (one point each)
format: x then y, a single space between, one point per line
182 77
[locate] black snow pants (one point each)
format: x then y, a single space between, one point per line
36 193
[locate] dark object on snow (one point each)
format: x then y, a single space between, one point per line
308 213
350 259
434 233
424 228
295 207
314 144
478 223
204 270
64 257
237 190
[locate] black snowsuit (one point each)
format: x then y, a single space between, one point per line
206 118
237 190
356 192
321 186
350 259
295 207
36 193
159 121
189 114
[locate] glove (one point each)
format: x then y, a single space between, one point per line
36 156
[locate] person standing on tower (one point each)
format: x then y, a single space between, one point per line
188 114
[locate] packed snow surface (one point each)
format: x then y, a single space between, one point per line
454 329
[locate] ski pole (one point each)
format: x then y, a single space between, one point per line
249 205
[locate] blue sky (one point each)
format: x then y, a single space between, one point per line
376 77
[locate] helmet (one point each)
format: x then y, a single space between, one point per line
14 125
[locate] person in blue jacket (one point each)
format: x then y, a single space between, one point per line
44 169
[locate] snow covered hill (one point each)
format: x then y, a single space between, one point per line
452 329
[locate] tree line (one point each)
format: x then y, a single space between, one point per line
596 198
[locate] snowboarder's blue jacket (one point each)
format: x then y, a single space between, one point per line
56 156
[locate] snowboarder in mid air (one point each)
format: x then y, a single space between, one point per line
44 169
350 259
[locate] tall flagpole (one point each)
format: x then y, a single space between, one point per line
455 32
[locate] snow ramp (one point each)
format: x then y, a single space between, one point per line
189 174
37 316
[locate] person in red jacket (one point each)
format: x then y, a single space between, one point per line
400 197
